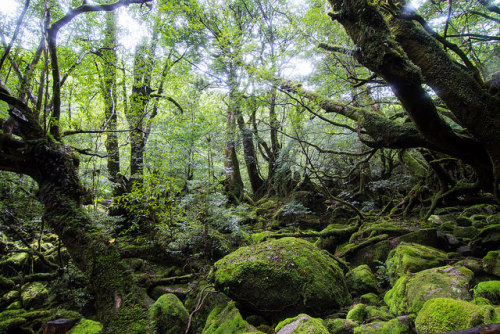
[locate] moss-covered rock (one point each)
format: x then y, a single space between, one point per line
361 280
412 258
465 233
369 299
14 263
341 326
426 237
168 315
473 264
301 324
227 319
280 277
410 292
440 315
487 240
34 295
401 325
489 290
5 283
86 326
372 255
365 313
491 263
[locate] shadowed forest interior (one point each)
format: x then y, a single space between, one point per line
249 166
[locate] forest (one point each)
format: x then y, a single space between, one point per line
249 166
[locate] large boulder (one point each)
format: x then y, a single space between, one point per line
412 258
487 240
301 324
168 315
287 276
410 292
34 295
440 315
227 319
489 290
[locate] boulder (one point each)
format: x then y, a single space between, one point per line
168 315
341 326
34 295
86 326
410 292
282 277
361 280
489 290
412 258
491 263
487 240
440 315
227 319
301 324
362 313
401 325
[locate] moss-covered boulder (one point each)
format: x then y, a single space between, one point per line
369 298
282 277
487 240
341 326
168 315
491 263
410 292
227 319
361 280
86 326
412 258
401 325
366 313
440 315
14 263
34 295
489 290
301 324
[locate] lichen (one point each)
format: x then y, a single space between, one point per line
440 315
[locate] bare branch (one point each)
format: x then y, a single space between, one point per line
16 32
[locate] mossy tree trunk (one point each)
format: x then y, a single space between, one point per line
404 54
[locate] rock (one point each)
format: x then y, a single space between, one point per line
410 292
412 258
489 290
34 295
168 315
227 319
9 297
401 325
341 326
5 283
58 326
301 324
280 277
468 232
491 263
440 315
474 265
86 326
14 263
364 313
426 237
361 280
369 299
180 290
371 255
487 240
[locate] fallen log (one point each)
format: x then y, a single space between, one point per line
486 329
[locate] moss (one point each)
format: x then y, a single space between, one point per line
364 313
487 240
6 283
361 280
12 325
340 326
13 263
427 237
474 265
15 306
301 324
86 326
34 294
440 315
280 277
468 232
411 258
395 326
227 319
489 290
410 292
259 237
168 315
369 299
491 263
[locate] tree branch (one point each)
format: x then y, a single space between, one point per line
18 26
